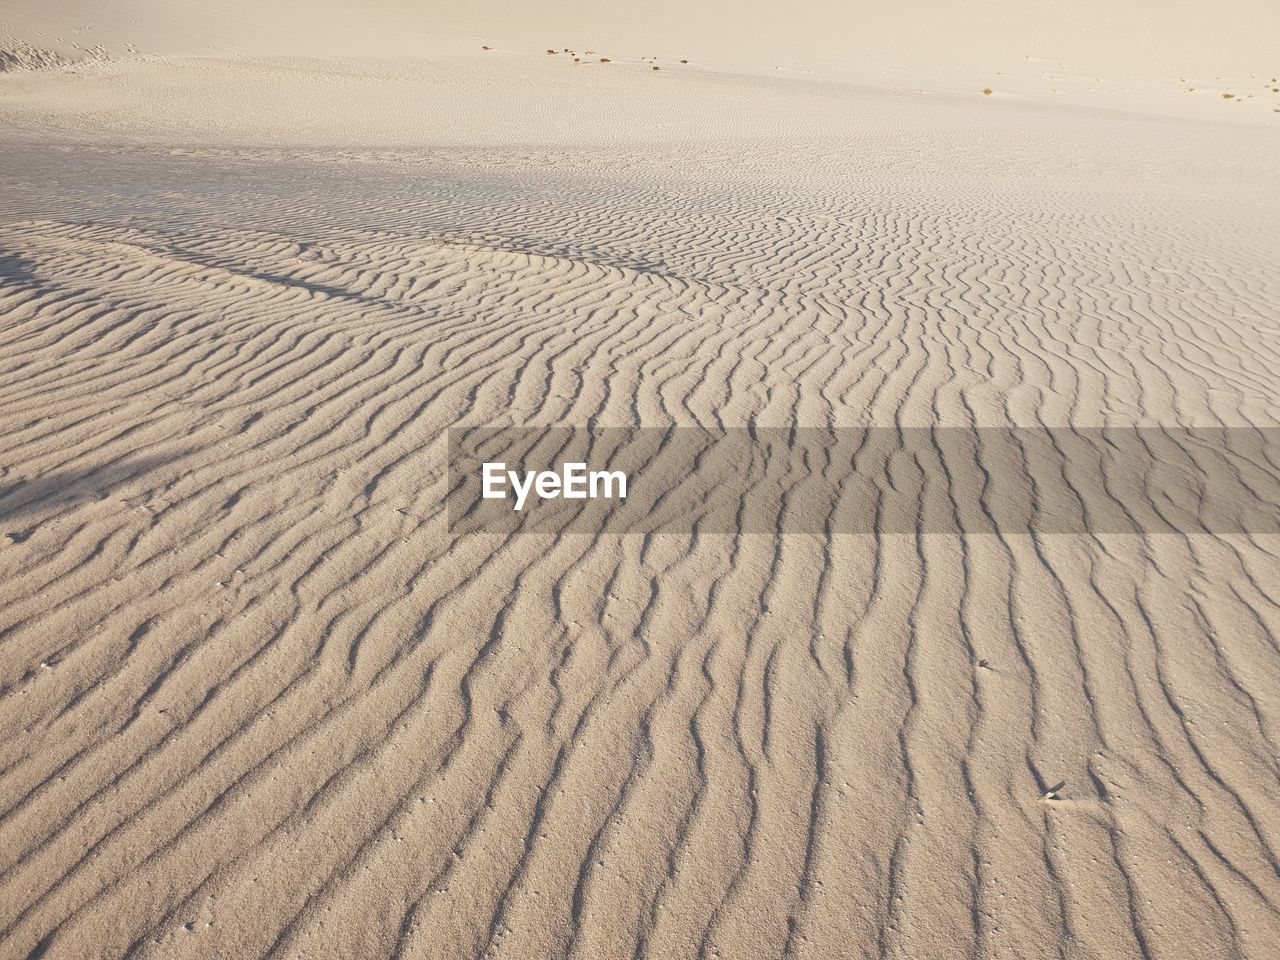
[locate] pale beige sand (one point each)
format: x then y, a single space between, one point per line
256 701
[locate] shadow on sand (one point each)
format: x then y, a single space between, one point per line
22 499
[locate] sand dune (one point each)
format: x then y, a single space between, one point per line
258 700
397 72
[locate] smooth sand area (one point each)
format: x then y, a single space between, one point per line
257 700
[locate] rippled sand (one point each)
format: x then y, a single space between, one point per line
257 700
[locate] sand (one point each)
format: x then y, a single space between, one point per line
257 699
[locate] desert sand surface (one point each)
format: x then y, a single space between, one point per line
258 700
